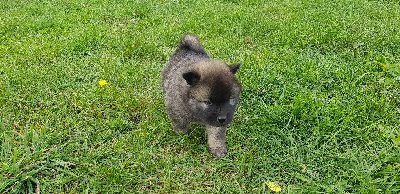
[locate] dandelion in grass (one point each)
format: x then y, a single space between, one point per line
274 187
102 82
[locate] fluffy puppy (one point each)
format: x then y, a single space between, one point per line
200 89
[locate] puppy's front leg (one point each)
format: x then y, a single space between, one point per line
216 137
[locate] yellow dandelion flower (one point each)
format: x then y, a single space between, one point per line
102 82
274 187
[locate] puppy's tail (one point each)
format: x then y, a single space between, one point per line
191 42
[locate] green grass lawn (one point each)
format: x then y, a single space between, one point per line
319 111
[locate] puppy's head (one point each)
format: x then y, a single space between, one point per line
213 91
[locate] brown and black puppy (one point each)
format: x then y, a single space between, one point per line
200 89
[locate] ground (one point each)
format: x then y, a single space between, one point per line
319 111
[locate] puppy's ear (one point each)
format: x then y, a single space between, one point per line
234 67
191 77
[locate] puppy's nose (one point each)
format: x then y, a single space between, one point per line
222 119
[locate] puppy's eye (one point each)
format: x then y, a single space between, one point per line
207 102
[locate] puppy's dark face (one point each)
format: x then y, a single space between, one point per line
213 92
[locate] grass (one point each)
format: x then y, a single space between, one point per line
319 111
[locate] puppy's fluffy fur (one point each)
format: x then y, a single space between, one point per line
200 89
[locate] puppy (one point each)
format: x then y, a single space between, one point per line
200 89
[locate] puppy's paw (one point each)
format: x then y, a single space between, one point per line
218 152
180 128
